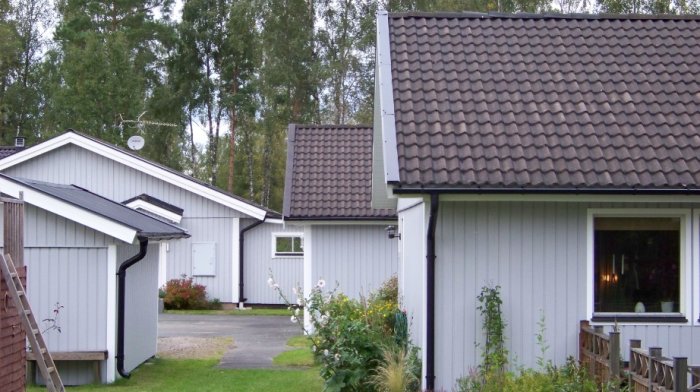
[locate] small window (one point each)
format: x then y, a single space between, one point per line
288 245
637 264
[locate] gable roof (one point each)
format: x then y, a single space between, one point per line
136 162
91 210
490 103
328 174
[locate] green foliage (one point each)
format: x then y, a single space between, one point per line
494 353
183 293
398 370
355 341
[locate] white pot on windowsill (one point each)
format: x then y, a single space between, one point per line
667 306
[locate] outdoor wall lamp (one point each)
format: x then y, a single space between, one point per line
391 232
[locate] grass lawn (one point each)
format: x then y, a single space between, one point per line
236 312
202 375
302 356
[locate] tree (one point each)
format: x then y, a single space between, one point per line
107 66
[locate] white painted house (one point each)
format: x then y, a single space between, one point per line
555 156
339 236
215 219
76 243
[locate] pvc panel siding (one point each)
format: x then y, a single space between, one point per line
358 258
45 229
74 278
220 231
206 221
141 318
74 165
536 252
259 261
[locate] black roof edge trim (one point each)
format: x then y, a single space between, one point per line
553 191
342 219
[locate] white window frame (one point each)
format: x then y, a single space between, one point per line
688 260
286 235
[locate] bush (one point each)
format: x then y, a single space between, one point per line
183 293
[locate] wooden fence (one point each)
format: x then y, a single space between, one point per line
647 370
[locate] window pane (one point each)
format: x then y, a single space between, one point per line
637 264
284 245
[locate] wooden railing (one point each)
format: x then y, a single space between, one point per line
648 371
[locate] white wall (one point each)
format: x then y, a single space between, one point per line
536 252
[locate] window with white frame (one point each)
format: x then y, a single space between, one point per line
287 244
640 260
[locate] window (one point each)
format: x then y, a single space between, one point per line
639 259
288 244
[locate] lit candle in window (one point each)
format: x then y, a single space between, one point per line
613 264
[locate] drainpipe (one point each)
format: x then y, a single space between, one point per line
241 241
430 328
143 248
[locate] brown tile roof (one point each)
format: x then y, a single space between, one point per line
329 174
494 101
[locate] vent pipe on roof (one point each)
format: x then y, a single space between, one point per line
19 142
143 248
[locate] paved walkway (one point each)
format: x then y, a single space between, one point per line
257 339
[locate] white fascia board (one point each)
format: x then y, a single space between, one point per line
386 99
69 211
134 163
274 221
154 209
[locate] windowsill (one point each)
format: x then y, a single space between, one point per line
291 256
652 318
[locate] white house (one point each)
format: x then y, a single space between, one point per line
81 252
555 156
327 197
216 220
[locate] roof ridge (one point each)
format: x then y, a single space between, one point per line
546 15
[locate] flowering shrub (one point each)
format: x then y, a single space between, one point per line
350 337
183 293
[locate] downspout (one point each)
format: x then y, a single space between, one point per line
143 248
430 261
241 241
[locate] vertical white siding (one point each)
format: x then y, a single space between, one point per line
74 278
259 261
358 258
536 252
141 316
205 220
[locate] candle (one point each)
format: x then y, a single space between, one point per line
613 264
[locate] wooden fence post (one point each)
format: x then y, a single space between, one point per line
614 359
634 343
680 374
654 353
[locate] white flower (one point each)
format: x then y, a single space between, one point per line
337 357
324 319
294 319
325 352
275 286
296 311
313 348
294 290
321 283
300 302
270 281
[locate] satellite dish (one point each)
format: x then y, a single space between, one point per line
135 142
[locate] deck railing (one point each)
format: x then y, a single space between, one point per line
648 370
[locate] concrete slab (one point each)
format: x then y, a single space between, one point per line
257 339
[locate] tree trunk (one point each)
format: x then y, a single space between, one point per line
232 137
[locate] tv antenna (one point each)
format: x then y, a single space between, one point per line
136 142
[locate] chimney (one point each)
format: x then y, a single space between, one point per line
19 142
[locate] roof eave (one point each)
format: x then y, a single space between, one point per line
548 190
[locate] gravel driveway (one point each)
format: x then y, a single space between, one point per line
247 342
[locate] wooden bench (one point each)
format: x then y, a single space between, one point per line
95 356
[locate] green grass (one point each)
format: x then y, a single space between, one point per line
299 357
203 375
235 312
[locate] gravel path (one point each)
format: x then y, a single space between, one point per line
257 339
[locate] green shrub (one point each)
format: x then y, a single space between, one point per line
183 293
